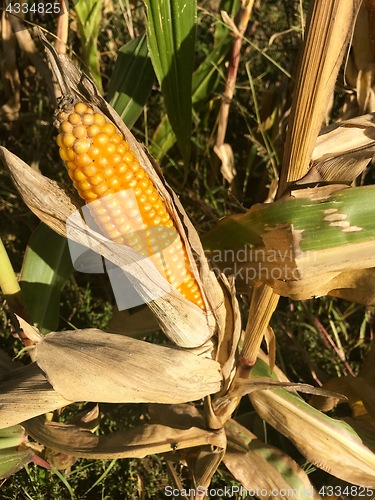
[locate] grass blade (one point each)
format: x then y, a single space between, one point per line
131 81
171 42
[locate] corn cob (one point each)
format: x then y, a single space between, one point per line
100 164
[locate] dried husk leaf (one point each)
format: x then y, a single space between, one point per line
134 443
91 365
228 339
25 393
262 467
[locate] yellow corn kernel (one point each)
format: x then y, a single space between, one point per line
101 163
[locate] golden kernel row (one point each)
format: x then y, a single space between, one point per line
100 163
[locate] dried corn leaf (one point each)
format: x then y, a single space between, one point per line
91 365
330 444
246 386
359 390
262 467
25 393
134 443
204 463
356 286
343 151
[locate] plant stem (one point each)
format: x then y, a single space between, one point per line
232 71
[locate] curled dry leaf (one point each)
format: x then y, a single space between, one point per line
134 443
91 365
342 151
253 384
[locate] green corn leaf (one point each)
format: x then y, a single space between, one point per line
132 80
89 17
171 43
163 139
46 269
312 243
206 79
12 460
322 219
11 437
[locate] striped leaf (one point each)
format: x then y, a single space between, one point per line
171 43
132 80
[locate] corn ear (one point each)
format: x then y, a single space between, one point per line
100 164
